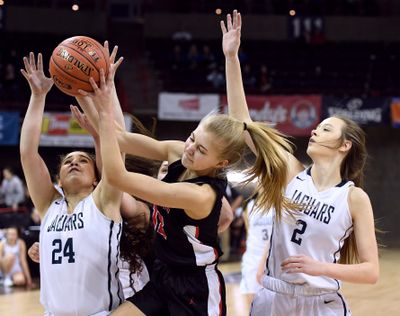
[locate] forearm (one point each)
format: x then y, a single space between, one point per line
365 272
118 114
112 161
237 104
32 125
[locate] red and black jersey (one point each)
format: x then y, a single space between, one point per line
182 241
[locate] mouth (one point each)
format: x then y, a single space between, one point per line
73 169
187 157
311 140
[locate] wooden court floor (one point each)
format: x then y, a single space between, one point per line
382 298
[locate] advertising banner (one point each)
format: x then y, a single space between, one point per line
294 115
395 112
372 110
186 107
9 128
61 130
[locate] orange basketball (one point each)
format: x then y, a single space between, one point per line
74 61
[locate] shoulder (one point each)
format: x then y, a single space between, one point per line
357 195
358 200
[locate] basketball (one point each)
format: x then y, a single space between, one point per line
74 61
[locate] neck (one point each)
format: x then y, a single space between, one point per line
326 174
73 199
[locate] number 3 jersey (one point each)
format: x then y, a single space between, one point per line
319 231
78 260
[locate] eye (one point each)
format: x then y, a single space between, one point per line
201 151
191 138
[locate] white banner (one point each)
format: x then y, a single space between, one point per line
59 129
186 107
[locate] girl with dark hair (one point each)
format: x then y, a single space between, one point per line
332 238
81 226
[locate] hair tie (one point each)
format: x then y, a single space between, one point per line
244 126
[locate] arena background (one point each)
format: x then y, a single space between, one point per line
304 59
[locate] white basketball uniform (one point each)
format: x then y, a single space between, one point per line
318 232
132 283
16 251
258 232
79 256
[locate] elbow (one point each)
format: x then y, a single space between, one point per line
373 277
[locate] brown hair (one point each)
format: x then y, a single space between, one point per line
270 166
353 164
352 168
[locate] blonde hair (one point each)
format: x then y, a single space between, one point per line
270 166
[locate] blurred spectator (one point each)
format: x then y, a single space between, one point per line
193 57
13 261
216 78
207 58
249 79
178 59
34 215
12 189
263 79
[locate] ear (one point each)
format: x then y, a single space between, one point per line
95 183
346 146
222 164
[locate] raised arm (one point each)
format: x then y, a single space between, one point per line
36 173
191 197
130 143
237 104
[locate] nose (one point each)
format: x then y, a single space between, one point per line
314 132
190 149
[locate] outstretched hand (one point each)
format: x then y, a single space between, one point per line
33 73
113 65
231 34
83 121
101 95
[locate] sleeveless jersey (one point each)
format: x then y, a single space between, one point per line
259 230
319 231
180 240
79 255
15 250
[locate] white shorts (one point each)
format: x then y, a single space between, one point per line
278 298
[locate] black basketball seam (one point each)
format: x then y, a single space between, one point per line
55 63
101 49
82 56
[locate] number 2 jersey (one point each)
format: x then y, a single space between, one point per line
180 240
79 253
319 231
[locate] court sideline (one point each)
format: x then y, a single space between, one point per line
382 298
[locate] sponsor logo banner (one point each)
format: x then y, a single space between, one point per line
61 130
395 112
186 107
9 128
372 110
294 115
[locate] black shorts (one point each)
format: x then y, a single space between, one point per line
181 292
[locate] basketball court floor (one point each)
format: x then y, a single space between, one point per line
381 299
